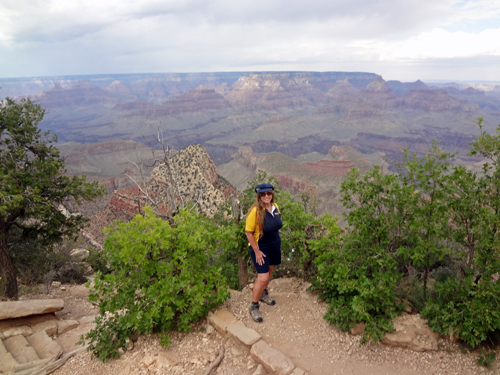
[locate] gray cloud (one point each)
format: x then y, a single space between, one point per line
68 37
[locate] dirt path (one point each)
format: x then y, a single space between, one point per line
295 326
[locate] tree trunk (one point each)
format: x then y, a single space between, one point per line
8 281
426 272
242 270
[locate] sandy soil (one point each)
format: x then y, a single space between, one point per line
295 326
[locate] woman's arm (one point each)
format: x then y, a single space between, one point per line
259 255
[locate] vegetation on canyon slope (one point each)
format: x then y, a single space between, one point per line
33 189
426 236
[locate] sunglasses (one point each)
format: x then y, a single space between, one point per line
266 193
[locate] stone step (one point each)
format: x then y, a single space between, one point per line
44 346
7 361
20 349
17 309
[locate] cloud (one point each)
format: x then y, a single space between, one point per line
88 37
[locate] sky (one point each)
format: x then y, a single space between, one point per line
404 40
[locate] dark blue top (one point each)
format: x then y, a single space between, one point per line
272 225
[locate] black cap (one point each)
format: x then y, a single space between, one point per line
263 188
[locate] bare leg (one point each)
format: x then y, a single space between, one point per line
271 268
260 285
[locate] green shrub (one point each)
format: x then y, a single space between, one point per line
161 279
428 234
359 285
467 309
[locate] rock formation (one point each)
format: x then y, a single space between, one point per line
190 177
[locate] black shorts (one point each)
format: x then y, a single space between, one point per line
272 252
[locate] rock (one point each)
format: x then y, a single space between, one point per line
50 327
358 329
298 371
2 348
20 349
44 346
14 331
210 329
85 268
66 325
17 309
260 370
56 284
242 333
413 333
7 363
221 319
273 360
130 344
79 255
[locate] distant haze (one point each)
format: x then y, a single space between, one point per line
401 40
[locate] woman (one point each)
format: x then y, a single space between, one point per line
262 229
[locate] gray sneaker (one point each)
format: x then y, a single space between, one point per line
255 313
266 299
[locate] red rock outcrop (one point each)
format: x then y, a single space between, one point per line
192 174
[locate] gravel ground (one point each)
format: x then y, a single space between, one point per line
295 326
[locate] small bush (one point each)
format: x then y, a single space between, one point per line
467 309
36 264
486 359
161 279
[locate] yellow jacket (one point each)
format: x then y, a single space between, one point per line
251 223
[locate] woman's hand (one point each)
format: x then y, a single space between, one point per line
259 257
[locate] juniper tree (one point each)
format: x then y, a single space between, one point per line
33 187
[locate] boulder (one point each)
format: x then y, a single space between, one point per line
66 325
79 255
413 333
358 329
50 327
18 309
